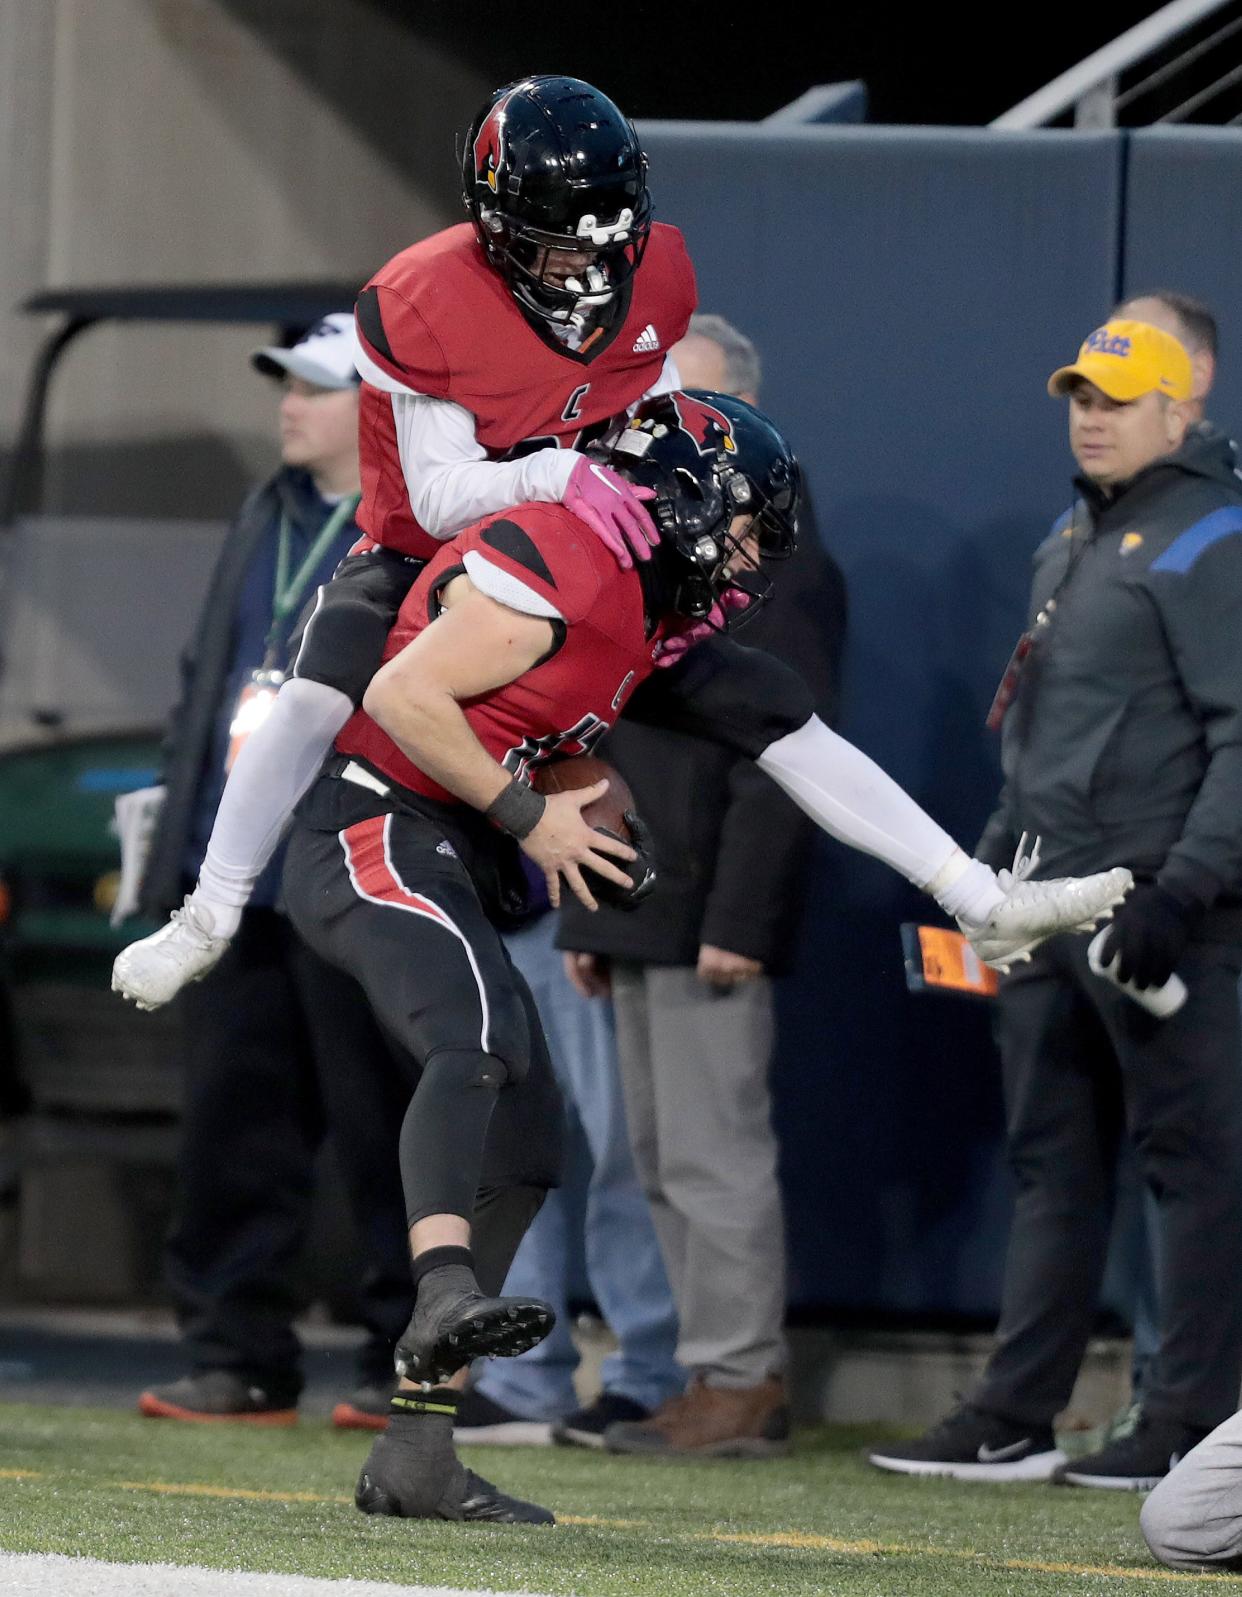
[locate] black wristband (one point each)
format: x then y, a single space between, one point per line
517 809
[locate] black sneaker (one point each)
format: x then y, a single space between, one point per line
586 1426
481 1419
970 1445
1134 1462
218 1397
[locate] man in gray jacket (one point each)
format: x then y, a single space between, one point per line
1123 740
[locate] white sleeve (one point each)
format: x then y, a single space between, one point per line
451 482
852 799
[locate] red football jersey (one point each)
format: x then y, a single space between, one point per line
562 706
438 320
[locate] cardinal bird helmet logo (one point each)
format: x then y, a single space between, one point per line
710 428
487 145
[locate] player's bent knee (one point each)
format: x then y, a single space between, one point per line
470 1069
343 646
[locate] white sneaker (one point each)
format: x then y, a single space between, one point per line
1031 912
156 968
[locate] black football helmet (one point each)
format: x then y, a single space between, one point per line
551 168
710 458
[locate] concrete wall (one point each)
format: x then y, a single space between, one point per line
178 141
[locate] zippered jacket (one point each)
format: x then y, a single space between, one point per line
1123 745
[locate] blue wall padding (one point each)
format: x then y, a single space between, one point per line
910 290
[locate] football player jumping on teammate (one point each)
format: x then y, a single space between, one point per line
491 353
523 640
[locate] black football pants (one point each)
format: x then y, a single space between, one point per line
1083 1064
387 896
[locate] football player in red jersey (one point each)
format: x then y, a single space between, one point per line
491 354
521 641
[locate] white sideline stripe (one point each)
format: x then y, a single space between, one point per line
440 918
53 1575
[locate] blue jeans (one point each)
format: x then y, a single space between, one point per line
624 1268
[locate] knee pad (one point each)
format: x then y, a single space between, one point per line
465 1069
342 644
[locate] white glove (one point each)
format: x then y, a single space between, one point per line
134 818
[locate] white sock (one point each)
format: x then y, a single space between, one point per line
852 799
966 888
276 765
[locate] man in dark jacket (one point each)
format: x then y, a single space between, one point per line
271 1012
1124 741
691 979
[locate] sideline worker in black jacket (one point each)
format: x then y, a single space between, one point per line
1124 741
273 1034
690 975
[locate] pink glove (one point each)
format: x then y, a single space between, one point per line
613 509
670 651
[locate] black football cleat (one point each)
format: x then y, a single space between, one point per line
466 1498
450 1331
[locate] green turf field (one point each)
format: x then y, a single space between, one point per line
114 1486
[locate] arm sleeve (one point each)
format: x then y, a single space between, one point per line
853 800
759 707
1200 599
451 482
754 901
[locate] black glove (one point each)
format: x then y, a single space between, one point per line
1149 933
641 871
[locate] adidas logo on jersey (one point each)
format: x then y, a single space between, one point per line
647 342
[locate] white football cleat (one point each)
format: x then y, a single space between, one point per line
156 968
1031 912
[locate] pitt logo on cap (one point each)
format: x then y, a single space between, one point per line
1104 342
1126 360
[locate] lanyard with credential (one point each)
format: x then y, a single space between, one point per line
288 592
259 693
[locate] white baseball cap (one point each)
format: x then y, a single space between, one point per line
324 355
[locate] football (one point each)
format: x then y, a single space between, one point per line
583 770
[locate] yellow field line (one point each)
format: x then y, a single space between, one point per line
189 1489
805 1540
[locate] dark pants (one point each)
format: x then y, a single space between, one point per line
263 1030
1083 1066
396 897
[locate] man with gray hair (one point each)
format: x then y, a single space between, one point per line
719 357
691 980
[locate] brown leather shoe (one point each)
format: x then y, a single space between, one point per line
711 1422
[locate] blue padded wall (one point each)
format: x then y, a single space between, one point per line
910 290
1184 231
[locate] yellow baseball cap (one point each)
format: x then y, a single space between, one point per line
1127 360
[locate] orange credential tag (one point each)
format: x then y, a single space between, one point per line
254 705
939 958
